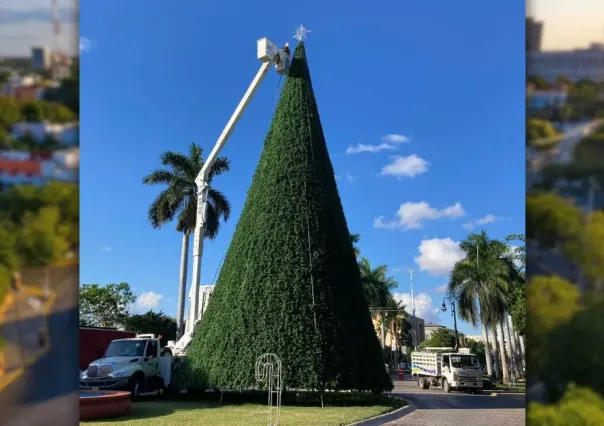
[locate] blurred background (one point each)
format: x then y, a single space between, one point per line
564 211
39 211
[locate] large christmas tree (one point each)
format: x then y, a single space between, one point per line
290 284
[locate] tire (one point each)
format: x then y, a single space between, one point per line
421 383
446 386
135 386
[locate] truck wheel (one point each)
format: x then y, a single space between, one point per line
446 386
421 383
427 384
135 386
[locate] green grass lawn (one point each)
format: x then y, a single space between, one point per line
518 387
164 413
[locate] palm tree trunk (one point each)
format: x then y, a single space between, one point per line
519 350
513 370
504 364
494 348
514 347
383 332
522 348
182 285
487 351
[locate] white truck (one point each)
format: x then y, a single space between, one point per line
139 365
447 368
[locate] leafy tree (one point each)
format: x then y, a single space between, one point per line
179 201
574 345
477 348
10 113
154 323
540 132
479 285
290 284
354 239
42 237
440 338
105 306
578 407
377 285
551 219
32 111
553 301
538 82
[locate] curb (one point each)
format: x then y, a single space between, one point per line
387 417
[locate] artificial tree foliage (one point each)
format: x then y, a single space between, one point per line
290 283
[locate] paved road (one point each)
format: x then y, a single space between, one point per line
435 408
48 388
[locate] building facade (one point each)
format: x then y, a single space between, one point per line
534 35
430 328
578 64
40 58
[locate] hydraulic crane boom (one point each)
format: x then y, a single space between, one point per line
269 54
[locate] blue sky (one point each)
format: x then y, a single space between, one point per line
435 89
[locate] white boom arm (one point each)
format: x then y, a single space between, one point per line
269 54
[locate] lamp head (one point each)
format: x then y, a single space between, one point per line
443 307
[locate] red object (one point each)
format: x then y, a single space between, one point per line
103 404
95 340
401 374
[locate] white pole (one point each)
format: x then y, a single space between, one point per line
414 322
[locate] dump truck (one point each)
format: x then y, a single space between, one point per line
138 364
447 368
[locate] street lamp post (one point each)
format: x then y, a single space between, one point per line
444 309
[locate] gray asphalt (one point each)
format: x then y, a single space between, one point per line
47 392
435 408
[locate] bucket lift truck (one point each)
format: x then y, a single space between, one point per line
269 54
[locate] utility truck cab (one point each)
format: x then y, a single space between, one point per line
447 368
136 364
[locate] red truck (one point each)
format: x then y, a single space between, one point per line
95 340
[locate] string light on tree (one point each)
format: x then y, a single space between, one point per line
301 33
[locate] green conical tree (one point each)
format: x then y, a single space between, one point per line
290 283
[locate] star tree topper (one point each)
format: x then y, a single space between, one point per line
301 32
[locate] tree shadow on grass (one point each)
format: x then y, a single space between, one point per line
154 408
303 399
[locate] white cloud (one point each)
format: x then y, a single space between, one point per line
438 256
146 301
106 249
348 176
368 148
424 307
410 166
389 142
410 215
441 288
84 44
490 218
395 138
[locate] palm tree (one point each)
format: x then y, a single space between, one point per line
377 286
354 239
179 201
479 284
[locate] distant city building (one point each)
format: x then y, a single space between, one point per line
476 338
61 66
23 168
430 328
25 87
40 58
67 134
534 34
538 99
578 64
